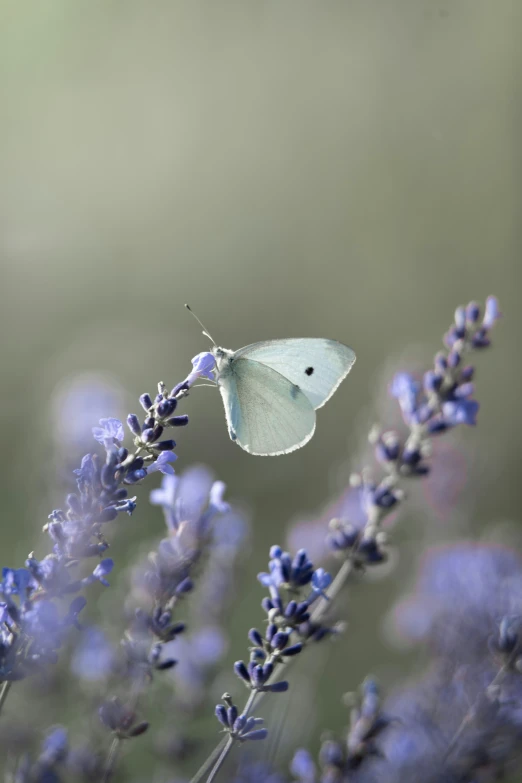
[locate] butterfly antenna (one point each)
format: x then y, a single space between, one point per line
205 331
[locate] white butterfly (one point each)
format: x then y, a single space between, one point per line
272 389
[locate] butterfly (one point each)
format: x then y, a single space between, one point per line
272 389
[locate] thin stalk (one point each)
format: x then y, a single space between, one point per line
209 761
111 759
219 763
6 686
255 696
471 713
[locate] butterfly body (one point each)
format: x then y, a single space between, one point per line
272 389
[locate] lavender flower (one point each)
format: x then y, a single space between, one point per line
239 727
33 626
459 722
440 402
339 760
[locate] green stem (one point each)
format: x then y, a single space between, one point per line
209 761
219 763
256 696
111 759
4 691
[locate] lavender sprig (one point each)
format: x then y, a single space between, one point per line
338 760
442 402
32 623
191 503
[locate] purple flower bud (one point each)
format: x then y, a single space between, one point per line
134 476
291 609
467 373
294 649
166 407
268 668
472 312
480 339
465 390
107 476
441 363
454 359
242 671
277 687
178 421
185 586
146 401
271 632
384 498
460 317
432 381
255 637
452 336
257 734
134 424
147 435
257 675
138 729
157 432
461 411
280 640
221 715
165 445
184 386
437 426
267 605
232 715
410 456
492 312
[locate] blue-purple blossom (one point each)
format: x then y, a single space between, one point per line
460 411
162 464
321 581
240 727
109 433
34 626
184 498
492 312
204 365
101 571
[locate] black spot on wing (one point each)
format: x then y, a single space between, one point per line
294 391
309 370
232 434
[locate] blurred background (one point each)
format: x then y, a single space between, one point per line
340 169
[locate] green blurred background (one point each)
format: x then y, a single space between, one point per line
346 169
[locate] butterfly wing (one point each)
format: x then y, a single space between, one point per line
316 365
266 413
